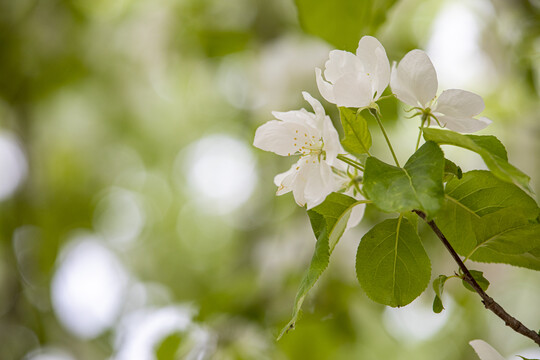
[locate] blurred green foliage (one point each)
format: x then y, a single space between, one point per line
342 23
106 100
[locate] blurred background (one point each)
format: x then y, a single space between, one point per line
137 221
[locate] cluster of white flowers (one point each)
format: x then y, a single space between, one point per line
357 81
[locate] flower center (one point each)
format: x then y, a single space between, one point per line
308 145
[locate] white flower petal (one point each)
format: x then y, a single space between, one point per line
300 181
285 180
372 55
414 81
330 136
295 116
485 120
325 88
353 91
357 213
320 114
459 103
402 92
381 75
320 181
283 138
485 351
341 63
463 124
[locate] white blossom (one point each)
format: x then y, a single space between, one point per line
355 80
414 81
485 351
314 138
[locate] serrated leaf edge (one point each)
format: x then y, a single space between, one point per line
300 299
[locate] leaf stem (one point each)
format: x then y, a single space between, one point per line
376 116
351 162
424 118
488 302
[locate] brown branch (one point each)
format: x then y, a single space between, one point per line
488 302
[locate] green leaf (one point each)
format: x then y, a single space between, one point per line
489 220
437 305
412 218
342 22
480 279
418 185
451 170
329 221
391 264
507 236
438 287
357 138
489 148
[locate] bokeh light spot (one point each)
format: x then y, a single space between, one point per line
416 322
119 216
220 173
88 287
13 165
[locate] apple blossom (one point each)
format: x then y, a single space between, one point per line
355 80
485 351
414 82
314 138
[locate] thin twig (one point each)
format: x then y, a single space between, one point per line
351 162
488 302
376 116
